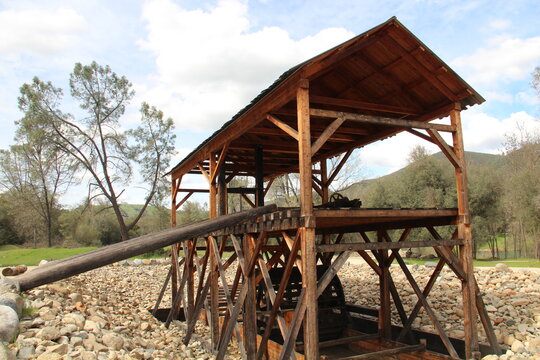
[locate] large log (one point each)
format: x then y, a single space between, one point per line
78 264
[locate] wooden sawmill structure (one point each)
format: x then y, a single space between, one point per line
367 89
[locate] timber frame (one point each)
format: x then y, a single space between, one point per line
369 88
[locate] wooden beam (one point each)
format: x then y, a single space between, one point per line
283 126
329 131
220 162
465 232
420 135
204 172
386 245
362 105
442 334
445 148
379 120
278 299
338 168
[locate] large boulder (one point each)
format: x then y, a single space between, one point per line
14 301
9 323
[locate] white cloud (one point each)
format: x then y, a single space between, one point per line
210 63
37 31
505 59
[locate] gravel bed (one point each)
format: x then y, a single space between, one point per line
103 314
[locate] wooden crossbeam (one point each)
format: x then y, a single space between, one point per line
204 172
445 148
386 245
421 135
230 305
379 120
326 134
220 162
427 289
442 334
283 126
276 303
339 167
202 292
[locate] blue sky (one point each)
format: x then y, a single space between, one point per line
202 61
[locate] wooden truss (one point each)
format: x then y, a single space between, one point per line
227 278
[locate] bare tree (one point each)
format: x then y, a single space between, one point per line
97 142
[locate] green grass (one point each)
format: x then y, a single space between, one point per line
12 257
532 263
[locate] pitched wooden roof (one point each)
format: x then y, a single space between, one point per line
385 73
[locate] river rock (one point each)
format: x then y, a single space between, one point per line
517 346
49 333
14 301
5 353
500 267
8 285
9 323
113 341
49 356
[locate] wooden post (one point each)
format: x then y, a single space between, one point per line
309 275
214 276
385 324
175 185
259 176
250 308
464 232
222 192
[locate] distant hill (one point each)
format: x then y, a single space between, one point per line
474 160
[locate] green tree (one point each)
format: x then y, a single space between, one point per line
106 153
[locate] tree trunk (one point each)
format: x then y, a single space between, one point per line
78 264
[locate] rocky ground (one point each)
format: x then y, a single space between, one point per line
103 314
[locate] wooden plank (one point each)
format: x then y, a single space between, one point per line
384 213
362 105
379 120
386 245
387 352
283 126
427 307
327 133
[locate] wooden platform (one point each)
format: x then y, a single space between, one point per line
331 221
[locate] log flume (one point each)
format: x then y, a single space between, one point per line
61 269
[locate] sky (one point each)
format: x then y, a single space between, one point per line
202 61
